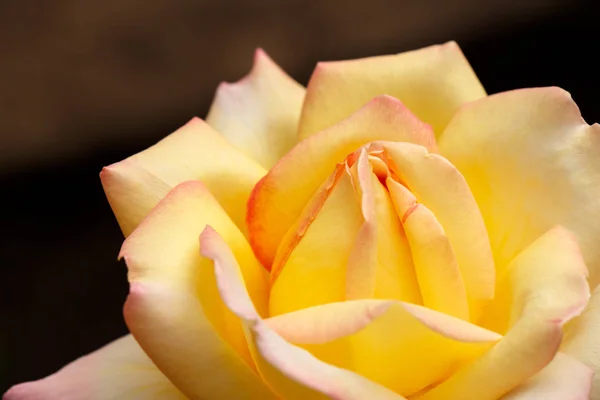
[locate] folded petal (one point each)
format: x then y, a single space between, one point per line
440 280
532 163
119 370
259 114
564 378
547 286
278 199
174 309
440 187
194 152
581 340
291 372
401 346
432 82
310 267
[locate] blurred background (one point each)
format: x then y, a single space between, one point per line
84 84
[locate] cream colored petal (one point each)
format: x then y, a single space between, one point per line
194 152
174 309
582 340
432 82
119 370
259 114
291 372
532 163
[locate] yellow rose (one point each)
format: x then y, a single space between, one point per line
390 232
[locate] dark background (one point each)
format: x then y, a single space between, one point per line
84 84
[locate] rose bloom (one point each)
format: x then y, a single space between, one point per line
388 232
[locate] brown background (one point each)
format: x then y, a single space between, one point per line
84 84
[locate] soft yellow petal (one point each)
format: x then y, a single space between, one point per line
259 114
119 370
532 163
402 346
289 371
440 280
547 282
582 340
439 186
278 199
174 309
432 82
194 152
310 267
381 264
564 378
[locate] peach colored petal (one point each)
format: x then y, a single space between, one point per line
174 309
563 378
402 346
432 82
440 187
531 162
119 370
440 280
289 371
380 265
547 282
582 340
194 152
278 199
259 114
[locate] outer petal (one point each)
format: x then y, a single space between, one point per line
278 199
531 162
432 82
547 283
194 152
259 114
119 370
291 372
564 378
440 187
402 346
582 340
174 309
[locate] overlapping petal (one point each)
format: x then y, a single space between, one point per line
259 114
432 82
119 370
278 199
291 372
194 152
531 162
174 309
547 286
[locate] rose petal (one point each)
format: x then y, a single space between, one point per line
278 199
259 114
439 186
564 378
380 265
194 152
440 280
532 163
402 346
547 283
174 309
432 82
291 372
581 339
314 270
119 370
